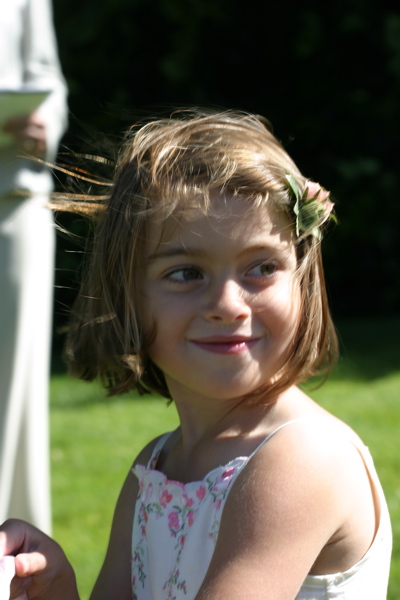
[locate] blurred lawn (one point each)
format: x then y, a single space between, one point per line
94 440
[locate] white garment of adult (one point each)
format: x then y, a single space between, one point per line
28 56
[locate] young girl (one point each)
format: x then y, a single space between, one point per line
206 286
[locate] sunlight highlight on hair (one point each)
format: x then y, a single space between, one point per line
168 168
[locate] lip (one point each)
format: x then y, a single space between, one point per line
226 344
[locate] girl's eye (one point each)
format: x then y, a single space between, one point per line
263 270
184 275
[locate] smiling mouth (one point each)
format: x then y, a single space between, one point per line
226 345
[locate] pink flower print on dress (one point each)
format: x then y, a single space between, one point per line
149 492
228 473
174 522
165 498
190 517
201 492
188 501
223 480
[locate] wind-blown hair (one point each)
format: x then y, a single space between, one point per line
165 167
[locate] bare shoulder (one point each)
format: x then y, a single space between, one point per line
306 462
303 504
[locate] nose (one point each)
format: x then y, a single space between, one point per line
227 302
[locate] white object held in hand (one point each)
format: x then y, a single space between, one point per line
7 572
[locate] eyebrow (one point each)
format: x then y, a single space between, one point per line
176 251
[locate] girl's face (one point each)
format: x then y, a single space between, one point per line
222 293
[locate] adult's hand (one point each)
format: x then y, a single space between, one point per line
29 132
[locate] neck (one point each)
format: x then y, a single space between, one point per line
211 418
214 431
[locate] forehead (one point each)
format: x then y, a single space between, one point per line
227 219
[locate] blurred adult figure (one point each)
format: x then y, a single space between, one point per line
28 57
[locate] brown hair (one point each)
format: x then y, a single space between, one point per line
163 166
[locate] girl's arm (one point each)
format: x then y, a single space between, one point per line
300 502
114 580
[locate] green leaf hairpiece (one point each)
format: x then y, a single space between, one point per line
312 207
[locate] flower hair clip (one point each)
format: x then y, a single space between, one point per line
312 207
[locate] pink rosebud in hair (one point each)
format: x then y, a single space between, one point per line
312 207
320 194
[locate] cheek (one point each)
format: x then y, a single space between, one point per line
286 300
285 312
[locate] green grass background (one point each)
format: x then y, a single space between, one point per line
94 440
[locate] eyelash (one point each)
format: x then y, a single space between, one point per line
272 265
172 275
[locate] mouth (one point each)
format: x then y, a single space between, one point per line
226 344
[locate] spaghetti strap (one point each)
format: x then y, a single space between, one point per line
159 445
270 435
358 444
264 441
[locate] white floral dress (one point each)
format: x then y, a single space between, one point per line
176 526
182 521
